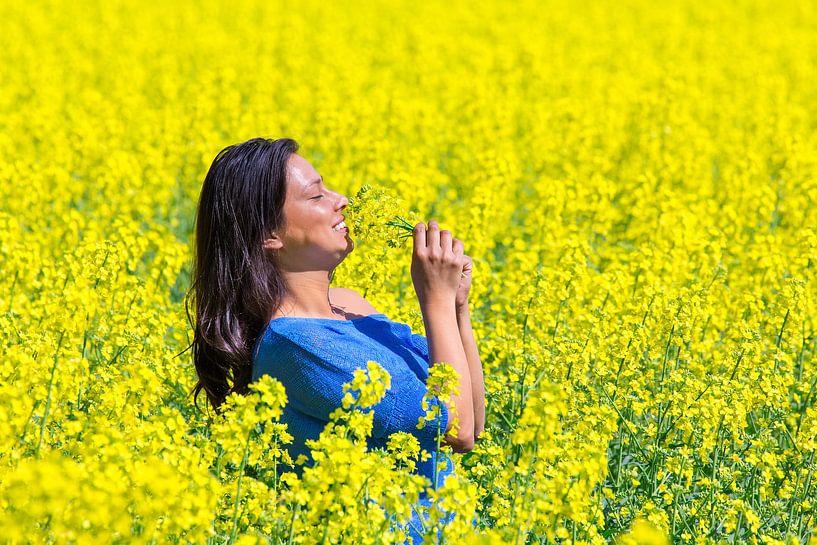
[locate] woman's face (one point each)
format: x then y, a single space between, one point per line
309 239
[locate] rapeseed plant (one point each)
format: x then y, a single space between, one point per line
643 243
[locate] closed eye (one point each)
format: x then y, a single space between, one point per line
317 196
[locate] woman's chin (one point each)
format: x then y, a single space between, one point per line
343 253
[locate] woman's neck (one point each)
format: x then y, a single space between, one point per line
307 295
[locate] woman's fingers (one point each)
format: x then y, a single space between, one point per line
420 238
433 237
434 241
445 242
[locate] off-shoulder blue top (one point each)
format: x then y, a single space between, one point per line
314 357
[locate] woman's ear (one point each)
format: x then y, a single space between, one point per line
273 242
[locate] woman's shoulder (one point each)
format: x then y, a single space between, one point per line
351 302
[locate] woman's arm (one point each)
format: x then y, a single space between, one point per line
444 345
474 367
436 268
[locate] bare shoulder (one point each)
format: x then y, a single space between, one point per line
351 301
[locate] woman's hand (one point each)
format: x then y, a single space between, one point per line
437 266
461 300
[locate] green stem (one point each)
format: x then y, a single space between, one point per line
666 355
437 454
234 531
325 531
50 389
22 434
11 293
792 504
292 524
275 478
780 339
737 527
714 475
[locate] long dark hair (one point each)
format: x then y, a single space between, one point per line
235 283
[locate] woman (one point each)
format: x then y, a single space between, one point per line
269 234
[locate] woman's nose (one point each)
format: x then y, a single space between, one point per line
343 202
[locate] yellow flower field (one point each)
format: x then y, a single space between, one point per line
635 182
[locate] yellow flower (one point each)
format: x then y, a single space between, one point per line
644 533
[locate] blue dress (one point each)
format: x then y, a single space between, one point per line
314 357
